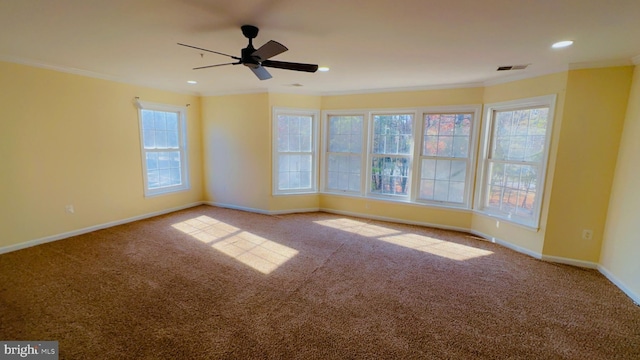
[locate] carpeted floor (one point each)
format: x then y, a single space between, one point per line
209 283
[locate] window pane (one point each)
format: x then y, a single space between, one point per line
460 146
446 135
161 139
175 176
456 191
339 143
445 146
463 125
426 189
172 139
354 182
153 180
449 176
163 160
393 134
165 177
149 137
441 191
519 135
294 171
283 133
344 172
172 121
447 123
428 170
512 188
147 120
430 147
443 169
458 170
152 161
431 124
160 122
390 175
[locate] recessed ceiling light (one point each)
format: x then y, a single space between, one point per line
323 69
562 44
192 82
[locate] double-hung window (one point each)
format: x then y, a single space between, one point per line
344 153
515 151
164 148
390 157
446 157
295 151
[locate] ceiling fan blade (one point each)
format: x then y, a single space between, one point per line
210 66
211 51
290 66
269 50
261 72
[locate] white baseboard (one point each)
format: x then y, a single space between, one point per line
620 284
567 261
260 211
506 244
394 220
89 229
237 207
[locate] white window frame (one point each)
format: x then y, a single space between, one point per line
315 115
486 142
371 155
182 148
475 111
326 115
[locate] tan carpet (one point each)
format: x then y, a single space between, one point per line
207 283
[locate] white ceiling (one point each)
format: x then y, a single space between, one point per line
369 45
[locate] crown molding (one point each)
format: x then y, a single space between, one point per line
404 89
600 64
524 75
86 73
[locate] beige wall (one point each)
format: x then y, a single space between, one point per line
237 150
594 113
621 239
71 140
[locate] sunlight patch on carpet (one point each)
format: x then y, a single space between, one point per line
449 250
425 244
255 251
357 227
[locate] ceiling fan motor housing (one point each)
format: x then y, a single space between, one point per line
247 58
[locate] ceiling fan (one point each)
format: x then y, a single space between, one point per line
257 60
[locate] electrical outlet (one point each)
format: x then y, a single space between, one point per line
69 209
587 234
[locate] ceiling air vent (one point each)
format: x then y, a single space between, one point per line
512 67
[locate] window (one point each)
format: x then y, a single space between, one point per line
164 151
344 153
391 154
446 157
516 146
295 159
